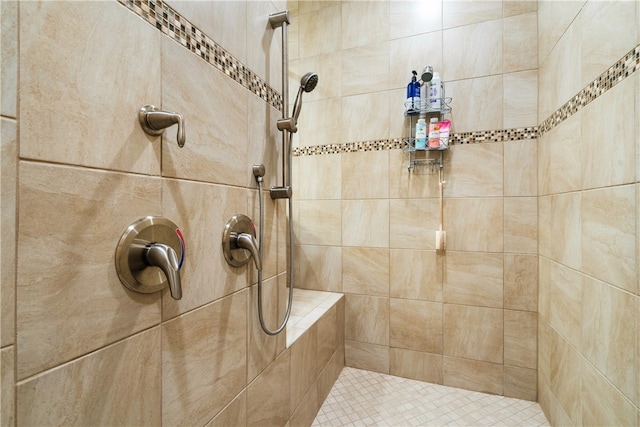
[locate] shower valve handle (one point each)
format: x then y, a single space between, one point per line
154 121
247 241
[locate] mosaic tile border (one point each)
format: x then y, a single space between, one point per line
619 71
159 14
623 68
503 135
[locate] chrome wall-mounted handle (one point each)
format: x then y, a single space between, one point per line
239 237
249 242
154 121
149 256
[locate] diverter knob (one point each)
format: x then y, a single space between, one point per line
239 242
149 256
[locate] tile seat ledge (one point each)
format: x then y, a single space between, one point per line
308 307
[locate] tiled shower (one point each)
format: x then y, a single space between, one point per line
535 297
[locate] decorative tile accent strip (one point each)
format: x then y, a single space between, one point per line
159 14
619 71
627 65
502 135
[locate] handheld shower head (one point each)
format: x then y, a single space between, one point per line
307 84
427 74
309 81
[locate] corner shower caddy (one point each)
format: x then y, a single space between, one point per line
420 157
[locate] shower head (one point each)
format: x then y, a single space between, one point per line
427 74
307 84
309 81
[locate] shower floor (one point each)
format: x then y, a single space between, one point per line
363 398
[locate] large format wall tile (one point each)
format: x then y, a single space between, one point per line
521 168
204 356
365 223
215 113
473 375
608 145
607 406
373 106
559 228
473 333
264 46
521 282
372 357
521 43
265 143
477 103
416 365
201 211
412 53
371 167
472 50
359 18
304 366
268 394
566 378
322 178
322 31
84 109
559 154
7 385
473 279
415 325
8 180
319 267
69 298
416 275
608 325
365 271
521 383
485 233
409 18
599 51
319 122
329 69
608 217
111 388
410 184
413 223
520 338
263 348
554 17
367 319
521 225
560 86
474 171
320 222
9 58
520 99
365 67
458 13
234 414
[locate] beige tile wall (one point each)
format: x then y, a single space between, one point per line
77 347
366 226
588 219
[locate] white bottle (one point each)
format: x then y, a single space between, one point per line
435 92
421 134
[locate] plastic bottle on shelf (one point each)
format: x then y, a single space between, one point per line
434 133
435 92
413 93
421 134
